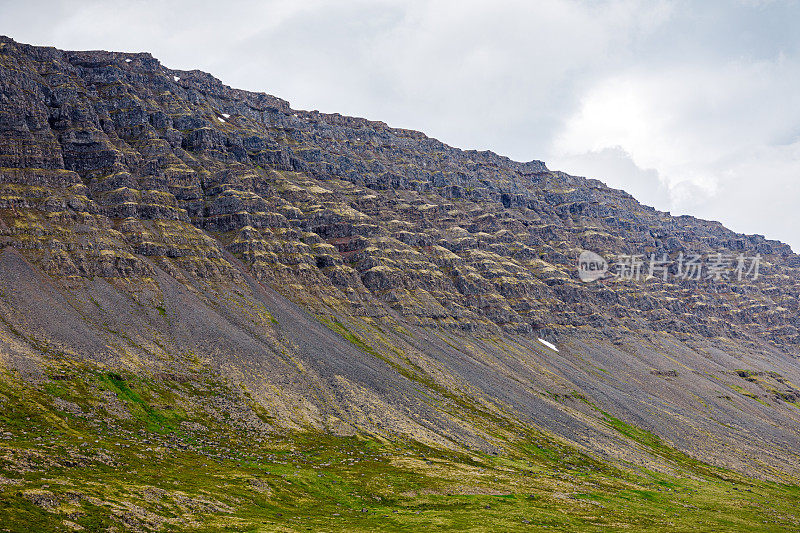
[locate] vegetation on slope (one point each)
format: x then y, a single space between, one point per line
96 450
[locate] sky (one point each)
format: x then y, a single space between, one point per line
692 107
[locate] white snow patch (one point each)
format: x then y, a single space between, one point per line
176 78
221 119
127 60
226 115
548 344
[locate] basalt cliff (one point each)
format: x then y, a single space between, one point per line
180 259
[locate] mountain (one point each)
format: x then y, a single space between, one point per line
220 312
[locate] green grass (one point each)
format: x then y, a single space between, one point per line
149 471
161 421
747 393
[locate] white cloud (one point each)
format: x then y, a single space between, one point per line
708 131
644 184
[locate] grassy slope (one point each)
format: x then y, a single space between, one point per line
174 465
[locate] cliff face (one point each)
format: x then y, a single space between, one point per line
176 165
357 277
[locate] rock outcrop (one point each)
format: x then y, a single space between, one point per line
109 158
145 212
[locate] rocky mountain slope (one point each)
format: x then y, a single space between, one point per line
342 276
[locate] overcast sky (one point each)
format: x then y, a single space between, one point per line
692 107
